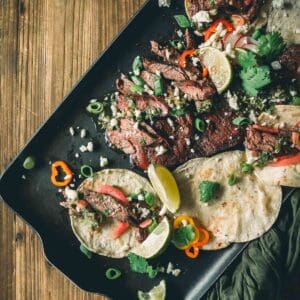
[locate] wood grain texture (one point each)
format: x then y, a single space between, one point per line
46 45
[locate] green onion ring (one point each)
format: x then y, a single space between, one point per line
95 108
200 125
86 171
112 273
29 163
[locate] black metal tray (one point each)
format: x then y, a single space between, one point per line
36 200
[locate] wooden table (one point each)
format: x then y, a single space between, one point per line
45 47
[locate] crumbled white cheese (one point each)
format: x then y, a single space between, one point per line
278 3
148 90
176 91
170 122
275 65
71 130
70 194
184 222
114 110
68 176
164 3
160 150
83 133
171 137
252 116
281 125
169 268
90 147
202 16
196 137
82 148
72 185
144 212
76 155
103 161
176 272
136 125
140 197
137 113
192 150
185 96
293 93
179 32
232 100
23 177
187 141
229 51
195 60
113 123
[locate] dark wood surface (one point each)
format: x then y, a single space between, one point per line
45 46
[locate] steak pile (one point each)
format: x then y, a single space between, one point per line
162 129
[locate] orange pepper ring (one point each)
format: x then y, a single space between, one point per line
194 253
205 239
54 173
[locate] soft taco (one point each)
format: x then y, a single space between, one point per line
277 137
239 212
111 211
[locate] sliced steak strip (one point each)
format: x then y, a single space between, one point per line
112 207
169 54
189 39
124 85
167 71
149 78
197 90
290 61
194 6
220 133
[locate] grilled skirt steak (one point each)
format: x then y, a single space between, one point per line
111 207
290 61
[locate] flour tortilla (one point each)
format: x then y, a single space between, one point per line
239 213
289 115
100 241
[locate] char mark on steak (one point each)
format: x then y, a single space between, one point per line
197 90
167 71
124 85
169 54
259 141
110 206
220 134
290 61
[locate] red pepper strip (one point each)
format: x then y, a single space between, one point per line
145 223
119 229
212 28
265 129
296 136
114 192
204 72
286 160
81 204
183 56
141 157
192 251
54 173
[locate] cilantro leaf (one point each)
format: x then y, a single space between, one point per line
140 265
247 59
270 45
208 190
183 235
255 78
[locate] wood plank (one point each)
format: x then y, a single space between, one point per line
45 48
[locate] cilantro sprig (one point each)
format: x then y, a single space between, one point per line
140 265
183 236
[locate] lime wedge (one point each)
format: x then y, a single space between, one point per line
157 293
165 186
218 65
156 241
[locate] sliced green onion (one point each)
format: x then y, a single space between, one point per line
240 121
296 100
200 125
137 89
232 180
29 163
112 273
86 171
85 251
95 108
246 168
137 66
149 198
105 212
177 44
138 80
158 86
182 21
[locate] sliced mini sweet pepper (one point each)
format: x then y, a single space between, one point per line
212 28
114 192
183 57
54 173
